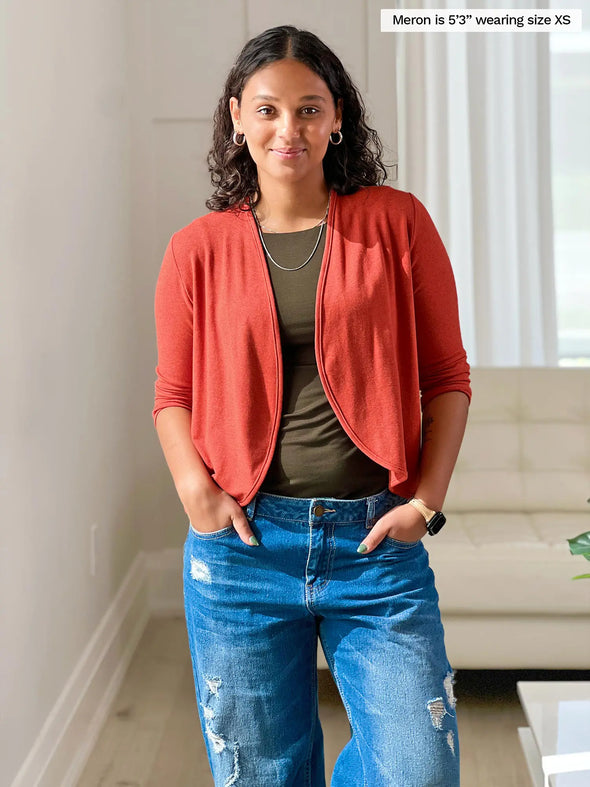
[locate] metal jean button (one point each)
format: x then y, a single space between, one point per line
318 510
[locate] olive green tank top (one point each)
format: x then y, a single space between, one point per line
314 457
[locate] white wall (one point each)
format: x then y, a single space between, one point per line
69 375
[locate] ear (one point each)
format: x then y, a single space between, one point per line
234 108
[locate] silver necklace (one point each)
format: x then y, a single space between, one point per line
269 255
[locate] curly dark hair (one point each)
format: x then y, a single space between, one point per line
356 162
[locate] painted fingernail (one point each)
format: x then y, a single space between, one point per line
254 541
362 548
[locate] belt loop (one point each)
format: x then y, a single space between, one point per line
370 511
251 508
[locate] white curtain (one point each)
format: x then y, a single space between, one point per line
474 146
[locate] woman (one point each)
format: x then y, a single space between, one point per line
303 325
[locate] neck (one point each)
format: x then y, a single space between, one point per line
291 207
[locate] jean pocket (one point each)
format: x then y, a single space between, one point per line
387 503
402 544
205 535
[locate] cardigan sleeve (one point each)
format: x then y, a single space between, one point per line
442 360
173 310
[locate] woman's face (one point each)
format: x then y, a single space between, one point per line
287 114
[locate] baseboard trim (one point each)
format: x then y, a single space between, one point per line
69 734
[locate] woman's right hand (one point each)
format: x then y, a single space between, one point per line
214 509
207 505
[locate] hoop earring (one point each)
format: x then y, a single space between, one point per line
235 139
340 137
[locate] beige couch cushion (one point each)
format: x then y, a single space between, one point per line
520 489
527 445
505 562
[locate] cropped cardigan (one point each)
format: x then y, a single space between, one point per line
387 335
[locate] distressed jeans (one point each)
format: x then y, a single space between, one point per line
253 618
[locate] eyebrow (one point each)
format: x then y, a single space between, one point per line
274 98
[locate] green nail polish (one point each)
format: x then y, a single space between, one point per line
254 541
362 548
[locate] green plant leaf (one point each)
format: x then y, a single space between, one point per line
582 576
580 545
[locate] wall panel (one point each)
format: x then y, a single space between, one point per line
192 47
381 95
341 25
180 150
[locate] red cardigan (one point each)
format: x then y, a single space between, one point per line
387 337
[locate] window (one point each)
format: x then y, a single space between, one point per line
570 161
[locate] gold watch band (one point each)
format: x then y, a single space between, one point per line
421 506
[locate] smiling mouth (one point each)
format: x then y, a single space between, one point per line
288 153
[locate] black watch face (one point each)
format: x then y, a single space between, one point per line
436 523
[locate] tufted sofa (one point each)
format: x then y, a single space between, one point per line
520 489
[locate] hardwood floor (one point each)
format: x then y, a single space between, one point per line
152 737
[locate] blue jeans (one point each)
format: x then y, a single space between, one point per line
253 617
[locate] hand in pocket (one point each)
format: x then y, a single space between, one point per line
215 510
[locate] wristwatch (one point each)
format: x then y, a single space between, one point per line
434 519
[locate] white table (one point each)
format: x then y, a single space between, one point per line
556 743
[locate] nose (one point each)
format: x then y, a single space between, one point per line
290 126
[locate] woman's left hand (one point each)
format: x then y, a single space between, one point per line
402 522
